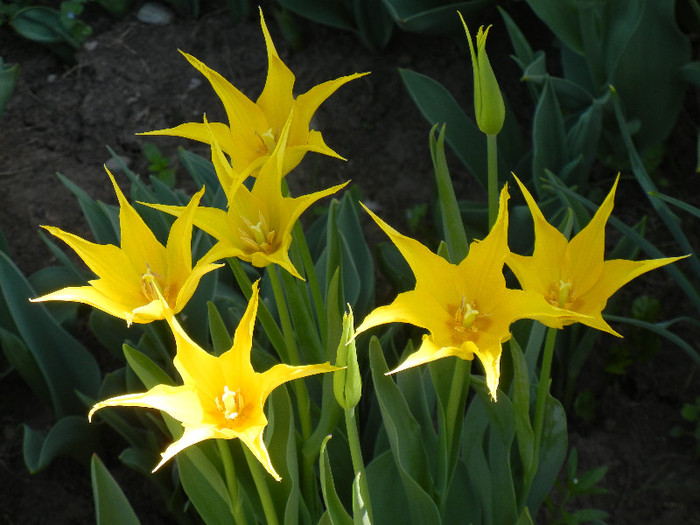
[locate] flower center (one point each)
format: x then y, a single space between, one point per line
230 403
268 141
258 237
153 284
468 320
561 295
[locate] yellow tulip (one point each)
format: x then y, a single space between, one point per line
573 275
221 397
257 227
254 128
131 277
465 307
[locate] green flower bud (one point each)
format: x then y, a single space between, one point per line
488 101
347 383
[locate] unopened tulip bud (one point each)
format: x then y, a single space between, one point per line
347 383
488 101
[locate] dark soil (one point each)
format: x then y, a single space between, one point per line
130 78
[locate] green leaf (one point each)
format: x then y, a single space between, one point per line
43 25
336 512
111 505
439 106
405 437
389 504
455 235
147 371
552 452
23 361
374 24
203 174
70 436
204 486
549 151
65 363
426 16
521 406
220 336
111 331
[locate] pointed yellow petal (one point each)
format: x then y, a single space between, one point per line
429 352
257 447
307 104
180 402
198 131
137 239
426 266
419 309
191 436
179 245
280 374
490 359
105 260
586 250
236 361
112 303
242 112
277 98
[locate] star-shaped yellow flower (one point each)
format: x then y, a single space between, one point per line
221 397
257 227
130 276
573 274
465 307
254 128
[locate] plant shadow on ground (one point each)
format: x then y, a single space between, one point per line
130 78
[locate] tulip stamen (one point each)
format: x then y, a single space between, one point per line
230 403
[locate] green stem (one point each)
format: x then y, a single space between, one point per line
231 482
492 158
540 405
358 464
261 485
302 394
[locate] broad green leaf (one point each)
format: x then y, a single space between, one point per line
204 486
336 512
374 24
70 436
203 174
147 371
552 453
19 356
521 406
112 332
389 503
334 13
65 363
426 16
439 106
549 151
111 505
405 438
41 24
220 336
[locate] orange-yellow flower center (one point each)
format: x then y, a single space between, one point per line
468 320
561 294
268 141
230 403
153 284
258 237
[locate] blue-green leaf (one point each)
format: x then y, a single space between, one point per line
111 505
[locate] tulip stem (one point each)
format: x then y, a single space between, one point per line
540 405
262 488
231 481
302 394
358 464
492 159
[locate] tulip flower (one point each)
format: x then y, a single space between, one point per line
255 128
131 277
573 275
221 397
257 227
465 307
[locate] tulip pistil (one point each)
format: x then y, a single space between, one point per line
230 403
257 236
152 285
